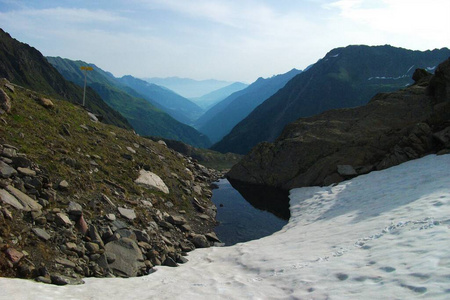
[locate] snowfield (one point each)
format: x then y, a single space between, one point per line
381 235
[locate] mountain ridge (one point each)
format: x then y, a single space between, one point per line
143 115
222 117
342 143
340 79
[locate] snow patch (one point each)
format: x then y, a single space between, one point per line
381 235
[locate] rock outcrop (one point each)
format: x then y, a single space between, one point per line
392 128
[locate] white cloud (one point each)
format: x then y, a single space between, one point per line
411 20
232 40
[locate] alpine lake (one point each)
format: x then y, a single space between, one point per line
248 212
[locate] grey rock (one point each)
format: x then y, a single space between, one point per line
26 171
118 224
197 189
107 200
74 209
127 213
111 217
443 136
142 236
65 262
131 150
94 235
92 247
41 233
10 87
170 262
63 220
129 259
11 200
5 101
92 117
151 180
21 161
346 170
58 279
212 237
6 171
24 199
200 241
63 185
182 260
9 152
43 279
127 233
176 220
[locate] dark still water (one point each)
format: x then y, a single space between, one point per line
248 212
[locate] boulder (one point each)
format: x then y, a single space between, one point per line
24 199
127 213
14 255
41 233
63 220
346 170
5 101
151 180
26 172
63 185
176 220
9 152
45 102
74 209
92 117
6 171
128 257
11 200
443 136
200 241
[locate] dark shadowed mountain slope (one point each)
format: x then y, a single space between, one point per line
209 100
221 118
145 118
345 77
342 143
25 66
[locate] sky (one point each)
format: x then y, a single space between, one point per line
233 40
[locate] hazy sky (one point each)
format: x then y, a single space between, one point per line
228 40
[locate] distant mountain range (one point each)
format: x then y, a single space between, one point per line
187 87
145 118
209 100
345 77
221 118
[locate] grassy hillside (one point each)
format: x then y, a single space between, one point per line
25 66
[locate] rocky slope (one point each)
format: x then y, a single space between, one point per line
345 77
339 144
80 198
